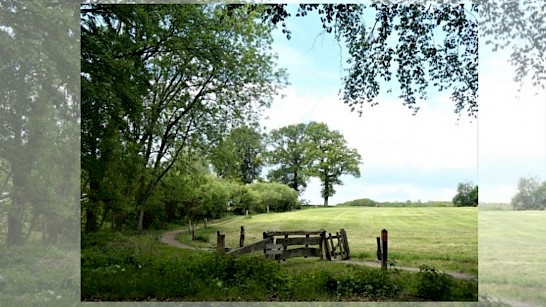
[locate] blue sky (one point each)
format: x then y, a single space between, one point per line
405 157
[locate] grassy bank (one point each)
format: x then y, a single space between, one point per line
445 238
513 255
131 267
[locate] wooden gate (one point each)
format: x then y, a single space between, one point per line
338 246
282 245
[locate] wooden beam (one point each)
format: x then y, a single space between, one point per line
296 232
300 241
252 247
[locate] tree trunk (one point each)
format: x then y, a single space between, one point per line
15 227
91 218
141 219
15 212
326 201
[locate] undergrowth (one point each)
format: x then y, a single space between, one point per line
118 267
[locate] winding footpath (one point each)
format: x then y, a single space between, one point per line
169 238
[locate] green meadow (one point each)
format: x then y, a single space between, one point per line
128 266
512 260
444 238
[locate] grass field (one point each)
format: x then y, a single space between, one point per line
512 260
444 238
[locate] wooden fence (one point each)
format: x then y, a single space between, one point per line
282 245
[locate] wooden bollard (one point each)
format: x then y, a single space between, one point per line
220 242
242 237
378 248
385 242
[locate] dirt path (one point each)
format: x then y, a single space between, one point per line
377 264
169 238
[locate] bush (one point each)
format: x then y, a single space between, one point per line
277 196
434 285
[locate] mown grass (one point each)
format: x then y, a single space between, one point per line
513 255
444 238
131 267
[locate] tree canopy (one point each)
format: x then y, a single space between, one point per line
162 80
417 45
331 158
289 155
467 195
531 194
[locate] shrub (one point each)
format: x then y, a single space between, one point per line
277 196
434 285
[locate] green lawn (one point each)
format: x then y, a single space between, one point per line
512 259
445 238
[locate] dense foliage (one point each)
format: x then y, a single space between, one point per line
467 195
531 194
301 151
160 82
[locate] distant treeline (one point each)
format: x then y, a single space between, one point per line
495 206
366 202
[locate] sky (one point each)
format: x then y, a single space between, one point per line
407 157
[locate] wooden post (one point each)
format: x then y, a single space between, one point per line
378 248
324 242
285 247
220 242
265 236
242 237
192 232
339 244
345 244
385 242
332 246
205 222
306 246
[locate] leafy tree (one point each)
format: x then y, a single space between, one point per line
436 44
531 194
331 158
39 113
467 195
239 155
289 154
173 80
